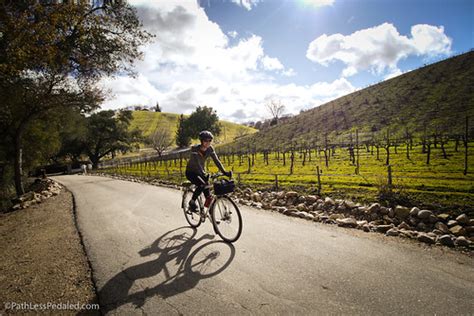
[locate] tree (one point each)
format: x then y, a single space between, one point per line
182 134
203 118
157 107
51 55
107 132
160 139
276 109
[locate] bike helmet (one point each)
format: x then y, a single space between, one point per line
205 135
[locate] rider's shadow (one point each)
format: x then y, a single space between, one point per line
188 268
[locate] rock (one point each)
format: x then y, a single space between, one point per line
383 228
408 234
363 209
437 232
376 222
426 238
311 199
300 214
424 214
432 219
302 207
347 222
16 207
461 242
291 195
392 232
256 197
301 199
421 226
458 230
414 211
329 202
387 220
469 229
374 208
281 209
471 222
443 217
446 240
413 221
336 216
452 223
442 227
349 204
391 213
309 216
361 223
402 212
462 219
248 191
366 228
290 211
404 225
384 211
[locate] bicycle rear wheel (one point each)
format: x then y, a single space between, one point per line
193 218
226 219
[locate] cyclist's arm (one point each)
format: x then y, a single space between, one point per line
216 160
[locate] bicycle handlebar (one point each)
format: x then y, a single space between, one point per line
219 174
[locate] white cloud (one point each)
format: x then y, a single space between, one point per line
192 62
319 3
233 34
379 48
247 4
270 63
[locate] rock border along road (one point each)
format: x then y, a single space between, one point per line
146 259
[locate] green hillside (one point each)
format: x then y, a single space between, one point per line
434 99
147 122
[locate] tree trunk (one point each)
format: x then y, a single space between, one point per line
18 163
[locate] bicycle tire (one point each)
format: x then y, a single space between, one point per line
193 218
222 217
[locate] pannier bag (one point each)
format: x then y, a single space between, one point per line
224 186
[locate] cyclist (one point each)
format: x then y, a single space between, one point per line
195 168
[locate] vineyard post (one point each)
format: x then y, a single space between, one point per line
357 151
319 179
466 140
238 178
276 182
389 169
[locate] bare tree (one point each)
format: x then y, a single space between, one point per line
160 139
276 108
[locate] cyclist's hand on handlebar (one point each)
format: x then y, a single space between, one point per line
228 174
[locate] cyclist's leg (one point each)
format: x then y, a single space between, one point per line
200 182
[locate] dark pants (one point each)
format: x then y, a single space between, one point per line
201 181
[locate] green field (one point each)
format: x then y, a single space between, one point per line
440 185
147 122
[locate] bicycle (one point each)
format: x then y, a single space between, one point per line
223 212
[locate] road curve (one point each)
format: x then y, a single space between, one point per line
146 260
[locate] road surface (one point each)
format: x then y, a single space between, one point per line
145 259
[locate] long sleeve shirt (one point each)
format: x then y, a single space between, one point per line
198 159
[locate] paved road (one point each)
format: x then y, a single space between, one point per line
146 260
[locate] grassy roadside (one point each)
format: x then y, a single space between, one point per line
42 260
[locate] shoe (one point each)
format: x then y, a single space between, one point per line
193 206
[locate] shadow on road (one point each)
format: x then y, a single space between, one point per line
178 264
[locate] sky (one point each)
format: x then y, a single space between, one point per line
236 56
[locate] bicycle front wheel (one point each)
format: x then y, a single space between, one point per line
193 218
226 219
